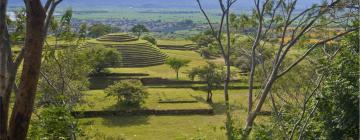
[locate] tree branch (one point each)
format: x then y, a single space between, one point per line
312 48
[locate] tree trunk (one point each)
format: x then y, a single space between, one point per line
3 72
227 103
209 95
34 41
253 115
177 75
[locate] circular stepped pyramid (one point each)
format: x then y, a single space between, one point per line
134 52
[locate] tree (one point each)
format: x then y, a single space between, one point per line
19 24
64 70
152 40
212 74
100 29
102 57
53 123
288 31
82 33
206 43
38 18
128 92
139 29
225 49
176 64
338 105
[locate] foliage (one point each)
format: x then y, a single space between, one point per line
64 76
128 92
82 32
101 57
212 74
206 43
54 123
139 29
152 40
176 64
65 29
64 72
19 24
339 102
100 29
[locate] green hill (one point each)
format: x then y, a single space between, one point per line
135 53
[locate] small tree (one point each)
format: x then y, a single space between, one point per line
128 92
54 123
100 29
139 29
176 64
212 74
152 40
102 57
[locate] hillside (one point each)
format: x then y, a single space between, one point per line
134 52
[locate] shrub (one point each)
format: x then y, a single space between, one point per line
150 39
54 123
101 57
128 92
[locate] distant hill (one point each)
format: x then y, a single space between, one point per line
109 4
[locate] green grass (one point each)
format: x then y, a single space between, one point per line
96 100
94 41
164 71
166 126
174 42
173 127
136 14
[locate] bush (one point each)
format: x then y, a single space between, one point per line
101 57
150 39
205 52
128 92
54 123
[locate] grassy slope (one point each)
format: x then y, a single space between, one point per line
164 71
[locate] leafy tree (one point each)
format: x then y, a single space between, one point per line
102 57
339 102
152 40
19 24
203 39
206 43
176 64
128 92
64 70
53 123
82 33
65 29
37 21
212 74
308 22
100 29
139 29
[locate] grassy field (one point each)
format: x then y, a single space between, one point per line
97 100
174 42
174 127
164 127
146 14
